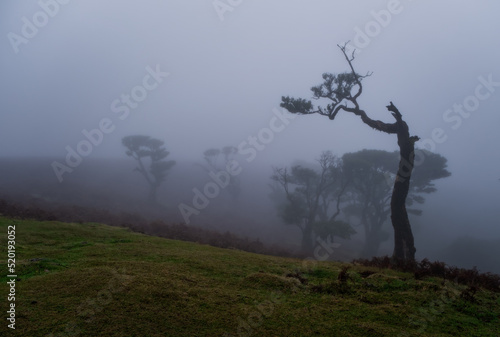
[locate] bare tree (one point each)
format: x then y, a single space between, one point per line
342 91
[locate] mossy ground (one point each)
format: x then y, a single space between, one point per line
95 280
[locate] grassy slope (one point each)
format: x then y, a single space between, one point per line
96 280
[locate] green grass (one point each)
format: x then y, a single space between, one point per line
96 280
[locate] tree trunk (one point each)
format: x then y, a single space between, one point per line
152 193
404 246
366 252
374 236
307 244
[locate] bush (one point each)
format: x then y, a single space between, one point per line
426 268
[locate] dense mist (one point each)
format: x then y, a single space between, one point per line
79 76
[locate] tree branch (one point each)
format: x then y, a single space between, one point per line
338 89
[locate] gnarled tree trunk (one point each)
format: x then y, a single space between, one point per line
404 246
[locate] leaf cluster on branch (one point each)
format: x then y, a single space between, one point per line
139 147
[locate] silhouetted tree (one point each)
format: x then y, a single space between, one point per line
371 174
342 91
140 147
309 197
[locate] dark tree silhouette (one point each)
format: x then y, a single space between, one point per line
140 147
342 91
309 195
371 174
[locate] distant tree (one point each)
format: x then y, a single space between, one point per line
371 174
217 160
141 147
312 199
342 92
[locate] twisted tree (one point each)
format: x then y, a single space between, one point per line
343 91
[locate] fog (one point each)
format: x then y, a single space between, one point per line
208 74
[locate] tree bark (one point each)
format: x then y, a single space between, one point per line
404 246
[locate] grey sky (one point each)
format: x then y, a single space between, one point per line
227 76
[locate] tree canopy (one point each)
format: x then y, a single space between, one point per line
312 198
140 147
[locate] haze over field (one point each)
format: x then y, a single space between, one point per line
207 74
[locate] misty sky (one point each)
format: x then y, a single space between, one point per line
227 71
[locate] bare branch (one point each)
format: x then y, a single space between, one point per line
356 76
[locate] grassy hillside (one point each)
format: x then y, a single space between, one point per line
96 280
